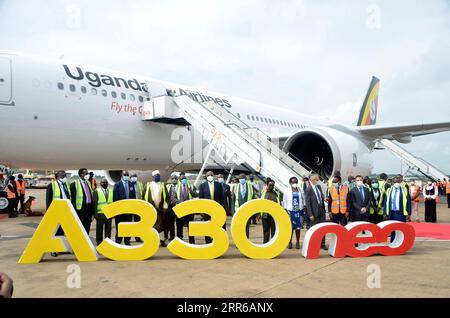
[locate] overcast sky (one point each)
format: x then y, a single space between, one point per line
313 56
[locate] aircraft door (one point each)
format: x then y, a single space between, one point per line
5 81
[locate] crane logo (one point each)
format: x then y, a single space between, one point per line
373 109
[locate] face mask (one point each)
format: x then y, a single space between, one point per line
270 188
221 180
126 178
295 185
105 186
210 178
375 185
337 184
359 183
86 177
242 181
174 181
396 185
183 181
63 180
134 179
429 183
157 178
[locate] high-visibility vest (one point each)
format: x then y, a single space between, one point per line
10 194
102 202
140 189
178 188
339 203
382 185
57 191
447 188
163 194
263 196
404 199
237 190
79 197
21 186
380 203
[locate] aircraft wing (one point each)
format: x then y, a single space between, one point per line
390 132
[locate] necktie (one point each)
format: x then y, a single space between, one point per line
211 189
362 193
243 191
395 200
87 192
184 193
127 190
106 194
66 190
319 199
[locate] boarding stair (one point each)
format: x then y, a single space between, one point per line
233 141
413 162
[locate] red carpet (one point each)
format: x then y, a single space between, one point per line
432 230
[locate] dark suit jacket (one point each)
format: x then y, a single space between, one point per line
85 209
312 206
226 197
119 191
357 202
49 194
218 192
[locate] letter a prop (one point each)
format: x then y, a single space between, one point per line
44 240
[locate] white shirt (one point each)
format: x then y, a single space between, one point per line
287 199
395 199
61 188
155 188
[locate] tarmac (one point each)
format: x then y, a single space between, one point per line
421 272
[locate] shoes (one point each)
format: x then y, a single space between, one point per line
297 245
138 240
162 244
324 247
54 254
290 245
127 243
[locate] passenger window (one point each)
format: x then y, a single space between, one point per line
257 119
253 117
93 91
83 89
239 115
132 97
248 116
114 94
104 92
60 86
141 99
123 95
72 88
265 119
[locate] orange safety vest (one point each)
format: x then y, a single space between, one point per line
10 194
339 203
447 188
21 186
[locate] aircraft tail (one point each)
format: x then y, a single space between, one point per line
368 113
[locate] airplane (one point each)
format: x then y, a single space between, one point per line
56 114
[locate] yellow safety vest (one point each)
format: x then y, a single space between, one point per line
102 202
57 191
249 193
404 198
79 197
163 186
380 203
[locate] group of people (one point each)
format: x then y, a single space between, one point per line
15 191
357 199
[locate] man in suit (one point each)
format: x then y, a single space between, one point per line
57 189
81 197
360 201
211 190
314 199
243 192
123 190
226 194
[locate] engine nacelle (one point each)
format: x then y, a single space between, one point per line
326 150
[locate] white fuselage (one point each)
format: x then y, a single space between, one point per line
61 119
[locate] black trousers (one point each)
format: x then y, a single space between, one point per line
268 227
136 218
85 216
12 207
206 217
319 218
170 228
448 200
180 224
339 218
21 200
430 211
103 226
375 218
122 218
